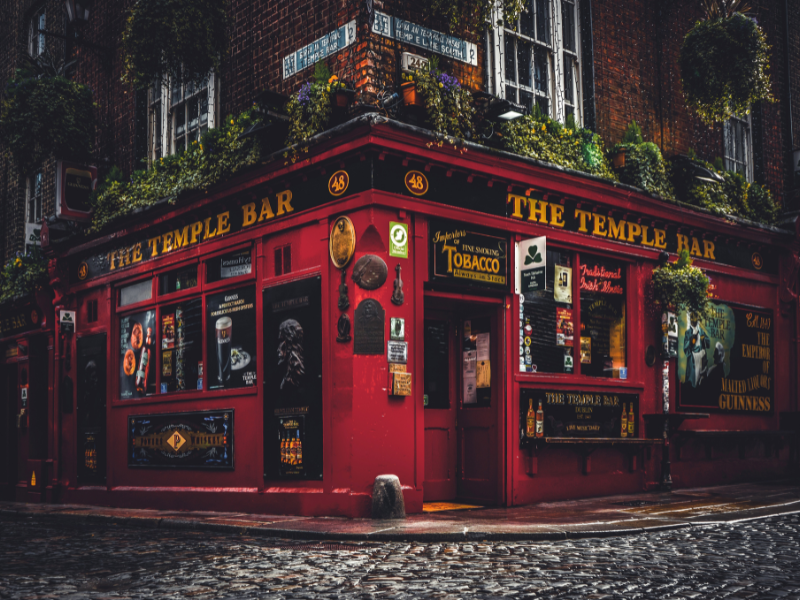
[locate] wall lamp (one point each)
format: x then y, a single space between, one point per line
78 10
498 109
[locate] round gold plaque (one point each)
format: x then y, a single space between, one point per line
342 242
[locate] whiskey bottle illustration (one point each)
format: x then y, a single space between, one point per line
631 422
530 425
540 421
624 432
144 364
299 458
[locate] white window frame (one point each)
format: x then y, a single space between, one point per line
36 40
33 209
736 157
162 115
555 52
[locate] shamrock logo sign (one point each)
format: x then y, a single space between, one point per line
533 255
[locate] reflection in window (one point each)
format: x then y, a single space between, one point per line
181 346
602 339
180 279
546 333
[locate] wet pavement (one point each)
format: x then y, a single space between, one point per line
593 517
42 557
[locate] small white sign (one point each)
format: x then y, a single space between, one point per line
531 265
422 37
328 44
67 320
412 62
397 352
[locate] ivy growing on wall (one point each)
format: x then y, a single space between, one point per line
179 38
22 274
472 15
680 286
218 155
43 115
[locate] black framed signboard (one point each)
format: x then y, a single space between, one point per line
725 363
190 440
231 339
293 380
460 255
578 414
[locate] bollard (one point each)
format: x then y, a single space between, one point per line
387 498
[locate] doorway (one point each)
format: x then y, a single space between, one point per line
462 392
8 431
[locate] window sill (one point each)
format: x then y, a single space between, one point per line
185 396
577 380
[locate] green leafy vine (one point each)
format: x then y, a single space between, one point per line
22 274
680 286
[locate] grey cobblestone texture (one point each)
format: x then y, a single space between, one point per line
41 559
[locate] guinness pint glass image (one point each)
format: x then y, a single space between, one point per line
223 331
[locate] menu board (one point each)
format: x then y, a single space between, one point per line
181 346
137 344
725 362
293 380
231 339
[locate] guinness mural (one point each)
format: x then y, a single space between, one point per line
726 363
191 440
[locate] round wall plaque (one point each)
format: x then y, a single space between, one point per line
370 272
342 242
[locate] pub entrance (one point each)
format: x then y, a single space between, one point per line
462 383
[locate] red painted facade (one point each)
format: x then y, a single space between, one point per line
365 431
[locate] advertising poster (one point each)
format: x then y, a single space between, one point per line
181 341
137 345
231 339
564 329
293 380
235 264
531 265
190 440
725 363
562 289
578 414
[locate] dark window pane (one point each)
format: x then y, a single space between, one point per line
540 69
569 94
602 340
511 93
526 99
511 74
546 334
568 22
527 20
177 280
543 104
193 110
180 120
437 364
181 346
278 262
524 63
543 21
287 259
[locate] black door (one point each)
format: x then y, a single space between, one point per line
8 431
91 413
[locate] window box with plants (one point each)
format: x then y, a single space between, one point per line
640 163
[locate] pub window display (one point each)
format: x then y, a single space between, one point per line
546 334
178 280
602 337
231 339
181 346
137 376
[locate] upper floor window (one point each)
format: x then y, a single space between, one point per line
179 113
535 61
737 137
33 210
35 35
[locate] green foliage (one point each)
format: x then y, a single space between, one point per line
448 106
187 38
632 135
309 112
218 155
43 116
735 196
23 274
680 286
472 15
724 66
543 138
646 168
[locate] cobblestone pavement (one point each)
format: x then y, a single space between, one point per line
44 559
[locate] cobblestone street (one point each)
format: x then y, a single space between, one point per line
754 559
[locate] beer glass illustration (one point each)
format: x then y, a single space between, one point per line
224 330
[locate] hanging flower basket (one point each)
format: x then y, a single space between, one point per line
680 286
184 38
724 66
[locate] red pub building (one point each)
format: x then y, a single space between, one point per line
478 323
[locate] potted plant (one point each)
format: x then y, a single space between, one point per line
631 137
680 286
724 62
341 95
409 90
309 111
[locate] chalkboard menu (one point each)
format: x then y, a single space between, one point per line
578 414
725 362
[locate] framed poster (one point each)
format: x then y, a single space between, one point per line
190 440
231 339
293 380
725 363
137 344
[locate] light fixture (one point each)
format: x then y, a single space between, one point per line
702 173
78 10
495 108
